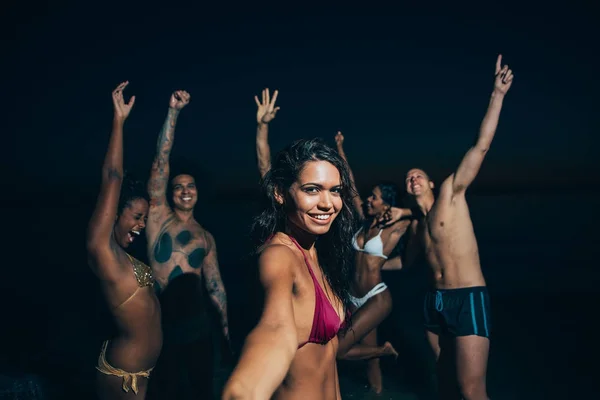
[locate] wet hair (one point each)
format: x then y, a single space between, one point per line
389 193
131 190
335 254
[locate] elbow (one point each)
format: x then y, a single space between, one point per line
236 390
112 173
482 145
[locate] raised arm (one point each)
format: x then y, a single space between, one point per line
471 163
159 175
271 346
266 113
358 204
214 284
100 226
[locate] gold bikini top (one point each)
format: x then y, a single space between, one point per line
142 272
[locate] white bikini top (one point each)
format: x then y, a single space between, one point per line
373 247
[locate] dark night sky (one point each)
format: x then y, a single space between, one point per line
406 89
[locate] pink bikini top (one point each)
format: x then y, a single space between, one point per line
326 322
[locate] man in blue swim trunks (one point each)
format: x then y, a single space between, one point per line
457 308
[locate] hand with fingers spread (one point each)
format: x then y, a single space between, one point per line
266 109
179 99
504 77
122 109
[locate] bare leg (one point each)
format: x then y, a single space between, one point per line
434 342
366 318
373 369
471 366
362 351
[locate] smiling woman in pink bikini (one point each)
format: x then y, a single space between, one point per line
304 262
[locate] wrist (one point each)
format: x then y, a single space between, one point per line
262 124
497 95
118 120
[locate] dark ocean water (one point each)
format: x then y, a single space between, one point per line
536 255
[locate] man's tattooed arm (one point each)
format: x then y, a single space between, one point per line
159 175
214 284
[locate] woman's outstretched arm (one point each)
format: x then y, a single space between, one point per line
100 225
266 113
271 346
358 204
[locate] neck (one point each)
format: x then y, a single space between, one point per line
184 215
375 220
425 202
304 239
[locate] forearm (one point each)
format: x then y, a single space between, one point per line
113 161
100 225
263 151
160 167
219 299
265 360
356 198
471 163
394 263
490 122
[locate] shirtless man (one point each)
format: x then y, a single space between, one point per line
458 306
182 254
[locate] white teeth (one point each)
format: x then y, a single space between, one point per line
136 232
186 198
323 217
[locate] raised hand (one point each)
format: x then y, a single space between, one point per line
339 139
504 77
122 109
266 109
179 99
390 216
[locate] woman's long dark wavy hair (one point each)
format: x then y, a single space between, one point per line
334 251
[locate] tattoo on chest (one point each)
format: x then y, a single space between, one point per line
184 237
196 257
164 248
175 273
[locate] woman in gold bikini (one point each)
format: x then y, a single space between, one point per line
125 361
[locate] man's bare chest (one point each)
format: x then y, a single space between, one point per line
178 242
436 226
